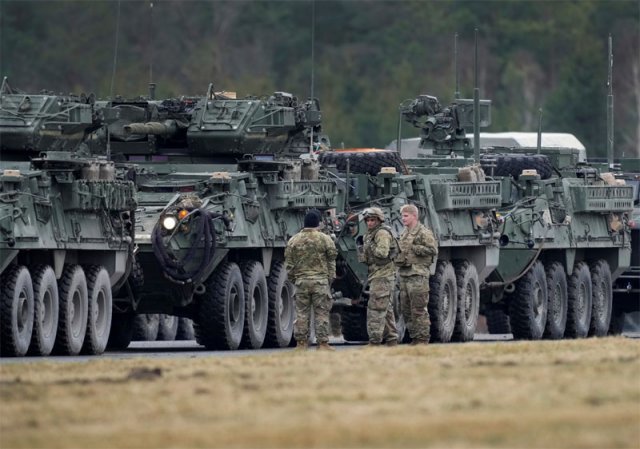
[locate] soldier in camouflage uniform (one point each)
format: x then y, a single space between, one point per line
310 259
418 249
378 250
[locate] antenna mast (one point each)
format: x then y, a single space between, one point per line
115 53
455 66
476 106
313 37
610 107
152 85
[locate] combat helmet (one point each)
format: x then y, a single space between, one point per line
375 212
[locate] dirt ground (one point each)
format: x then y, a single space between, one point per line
564 394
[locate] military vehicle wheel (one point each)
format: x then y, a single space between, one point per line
508 164
146 327
468 287
74 310
528 305
443 302
497 319
185 329
100 310
557 307
354 324
602 298
219 320
167 327
45 323
257 305
121 330
16 312
579 302
369 162
401 325
281 308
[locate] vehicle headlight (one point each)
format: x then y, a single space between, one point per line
169 222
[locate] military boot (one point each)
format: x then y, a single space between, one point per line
419 341
325 347
372 345
391 343
302 346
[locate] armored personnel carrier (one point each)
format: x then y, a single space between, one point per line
223 183
565 238
455 200
562 227
66 227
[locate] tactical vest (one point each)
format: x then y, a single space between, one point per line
408 257
394 248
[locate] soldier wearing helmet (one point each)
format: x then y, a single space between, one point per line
418 250
378 250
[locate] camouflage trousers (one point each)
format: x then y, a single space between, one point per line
414 298
312 296
381 321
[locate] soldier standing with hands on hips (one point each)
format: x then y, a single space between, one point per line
310 260
418 249
377 250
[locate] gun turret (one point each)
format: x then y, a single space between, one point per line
216 128
33 123
443 128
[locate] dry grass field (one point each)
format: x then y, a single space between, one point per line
565 394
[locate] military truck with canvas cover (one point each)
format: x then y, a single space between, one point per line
455 201
66 229
223 183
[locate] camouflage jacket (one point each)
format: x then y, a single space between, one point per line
310 254
418 249
380 247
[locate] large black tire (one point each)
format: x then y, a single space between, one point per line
368 162
167 327
558 303
401 325
257 305
16 312
121 330
219 320
185 329
468 287
509 164
443 302
100 310
281 308
528 305
579 302
46 307
602 298
73 297
354 324
146 327
498 321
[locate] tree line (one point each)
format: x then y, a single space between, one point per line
361 58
